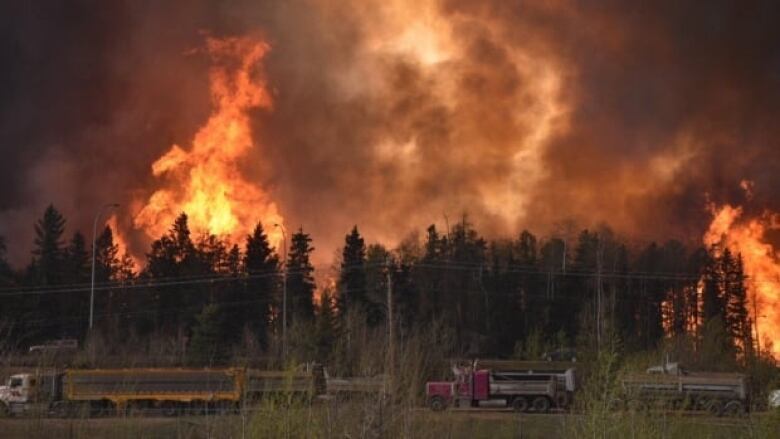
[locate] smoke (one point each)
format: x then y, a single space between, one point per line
394 114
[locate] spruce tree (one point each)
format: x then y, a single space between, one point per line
48 254
207 346
106 257
738 322
106 271
74 305
48 269
262 268
352 277
174 256
326 326
300 278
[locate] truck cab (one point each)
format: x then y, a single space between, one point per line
29 392
16 393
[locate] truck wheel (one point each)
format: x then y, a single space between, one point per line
61 409
169 409
5 412
437 403
541 404
734 408
520 404
715 408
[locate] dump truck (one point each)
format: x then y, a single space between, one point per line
672 386
522 390
167 391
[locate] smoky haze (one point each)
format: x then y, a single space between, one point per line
394 114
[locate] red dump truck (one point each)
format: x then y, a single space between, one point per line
523 390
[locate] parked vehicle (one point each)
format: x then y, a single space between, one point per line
168 391
671 386
68 345
522 390
774 399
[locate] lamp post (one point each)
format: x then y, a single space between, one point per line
94 237
284 293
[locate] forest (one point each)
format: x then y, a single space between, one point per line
505 298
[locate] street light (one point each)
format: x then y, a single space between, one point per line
94 237
284 293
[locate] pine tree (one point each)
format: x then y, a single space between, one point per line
326 326
300 279
106 271
207 346
48 269
352 277
377 258
106 257
262 267
77 272
738 322
48 253
174 256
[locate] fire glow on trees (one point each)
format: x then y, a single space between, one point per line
206 182
748 238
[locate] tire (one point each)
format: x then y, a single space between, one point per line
520 404
437 403
61 409
197 408
715 408
734 408
541 404
169 409
5 411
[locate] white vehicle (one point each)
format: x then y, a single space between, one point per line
26 392
55 346
774 399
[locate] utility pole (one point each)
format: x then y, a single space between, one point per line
598 293
284 293
390 324
94 239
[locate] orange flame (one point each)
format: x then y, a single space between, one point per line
121 242
205 181
761 264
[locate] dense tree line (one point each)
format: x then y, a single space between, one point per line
506 297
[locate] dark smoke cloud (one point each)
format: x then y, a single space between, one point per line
660 103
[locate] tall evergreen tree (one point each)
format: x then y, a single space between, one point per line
262 268
326 326
48 269
300 278
377 260
48 254
75 305
207 346
106 270
173 256
352 277
738 322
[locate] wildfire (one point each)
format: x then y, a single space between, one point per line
121 242
760 258
206 181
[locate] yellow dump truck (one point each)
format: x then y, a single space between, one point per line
165 391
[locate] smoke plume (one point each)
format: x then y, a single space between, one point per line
396 114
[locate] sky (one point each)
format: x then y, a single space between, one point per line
393 115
